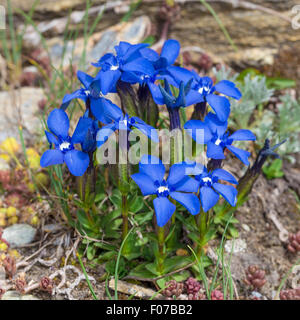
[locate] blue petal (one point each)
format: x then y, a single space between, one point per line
77 162
180 74
131 77
51 157
208 198
187 185
243 155
156 93
147 130
243 134
104 133
201 137
108 58
170 50
222 174
81 130
58 123
177 173
108 80
229 193
193 97
229 89
139 65
145 183
152 167
188 200
78 94
84 78
132 50
105 111
51 138
220 105
122 48
214 151
164 210
149 54
215 125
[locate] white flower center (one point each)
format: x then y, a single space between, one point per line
113 68
64 145
205 89
206 179
87 92
162 189
218 141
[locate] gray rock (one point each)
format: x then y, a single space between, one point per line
29 297
14 295
24 101
11 295
236 246
99 43
19 235
52 227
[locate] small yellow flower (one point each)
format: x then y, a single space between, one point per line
3 246
35 221
11 212
14 253
13 220
10 146
33 158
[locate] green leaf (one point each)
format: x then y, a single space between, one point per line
90 252
83 220
152 267
176 262
99 197
141 218
280 83
136 204
116 198
142 272
233 231
274 170
108 218
106 256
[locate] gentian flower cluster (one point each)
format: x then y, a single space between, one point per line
140 66
177 186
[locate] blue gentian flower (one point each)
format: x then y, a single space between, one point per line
217 138
94 90
210 188
170 100
89 143
202 90
150 180
64 151
167 57
127 61
124 122
161 64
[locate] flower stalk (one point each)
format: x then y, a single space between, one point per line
161 243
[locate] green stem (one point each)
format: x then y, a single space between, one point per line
161 243
202 225
123 171
125 216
